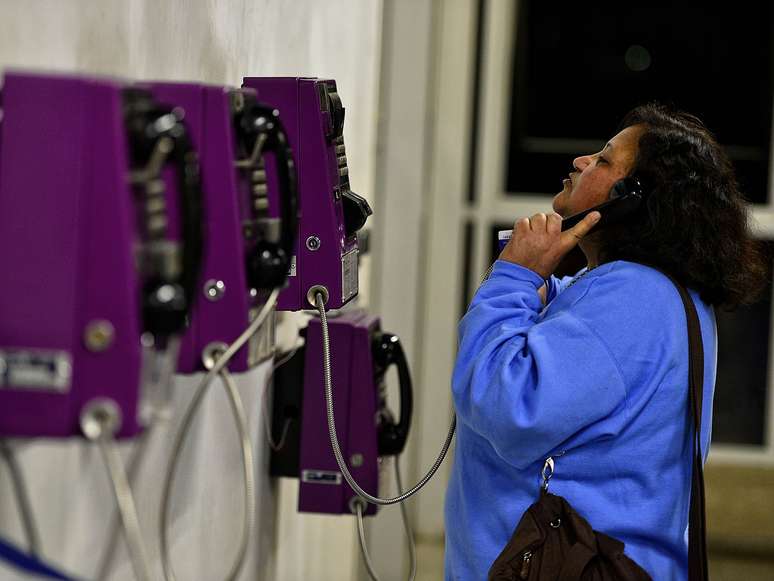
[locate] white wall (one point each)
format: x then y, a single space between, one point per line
213 41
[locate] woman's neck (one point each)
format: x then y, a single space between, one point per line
591 249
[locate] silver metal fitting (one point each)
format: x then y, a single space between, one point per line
354 502
311 295
313 243
237 101
98 335
547 472
211 353
214 289
99 418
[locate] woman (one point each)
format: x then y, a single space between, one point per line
593 370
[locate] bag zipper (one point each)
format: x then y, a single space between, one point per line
525 563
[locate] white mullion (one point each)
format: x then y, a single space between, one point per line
493 118
742 455
769 417
509 209
763 222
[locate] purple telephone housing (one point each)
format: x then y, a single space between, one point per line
70 321
356 402
330 213
223 303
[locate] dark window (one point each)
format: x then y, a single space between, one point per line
579 68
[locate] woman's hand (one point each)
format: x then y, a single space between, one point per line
539 244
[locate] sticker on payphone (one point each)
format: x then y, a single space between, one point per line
36 369
349 281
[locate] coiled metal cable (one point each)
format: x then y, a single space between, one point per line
320 302
360 506
182 433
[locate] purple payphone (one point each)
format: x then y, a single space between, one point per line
100 240
251 215
331 214
367 430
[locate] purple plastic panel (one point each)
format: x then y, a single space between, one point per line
66 239
322 488
322 175
208 118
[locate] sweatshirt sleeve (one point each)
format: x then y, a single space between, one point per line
527 385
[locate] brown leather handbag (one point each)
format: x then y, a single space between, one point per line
552 542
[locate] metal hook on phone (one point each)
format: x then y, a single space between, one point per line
255 154
161 150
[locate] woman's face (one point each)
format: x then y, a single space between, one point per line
589 185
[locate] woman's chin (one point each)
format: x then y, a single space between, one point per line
558 206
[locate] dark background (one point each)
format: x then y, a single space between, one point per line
580 67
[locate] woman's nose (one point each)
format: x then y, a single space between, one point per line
580 163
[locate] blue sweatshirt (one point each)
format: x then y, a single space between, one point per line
599 380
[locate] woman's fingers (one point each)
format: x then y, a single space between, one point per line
539 244
554 223
538 222
521 225
575 234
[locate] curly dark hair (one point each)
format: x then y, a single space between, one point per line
694 222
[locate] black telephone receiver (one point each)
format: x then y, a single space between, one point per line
626 196
259 129
157 134
387 351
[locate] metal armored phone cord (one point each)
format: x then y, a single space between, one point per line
137 454
99 423
217 369
159 382
22 498
360 506
320 302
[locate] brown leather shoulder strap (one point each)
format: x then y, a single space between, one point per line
697 533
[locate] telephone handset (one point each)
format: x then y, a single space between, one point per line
260 130
626 196
157 133
387 350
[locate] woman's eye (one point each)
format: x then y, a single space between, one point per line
601 159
